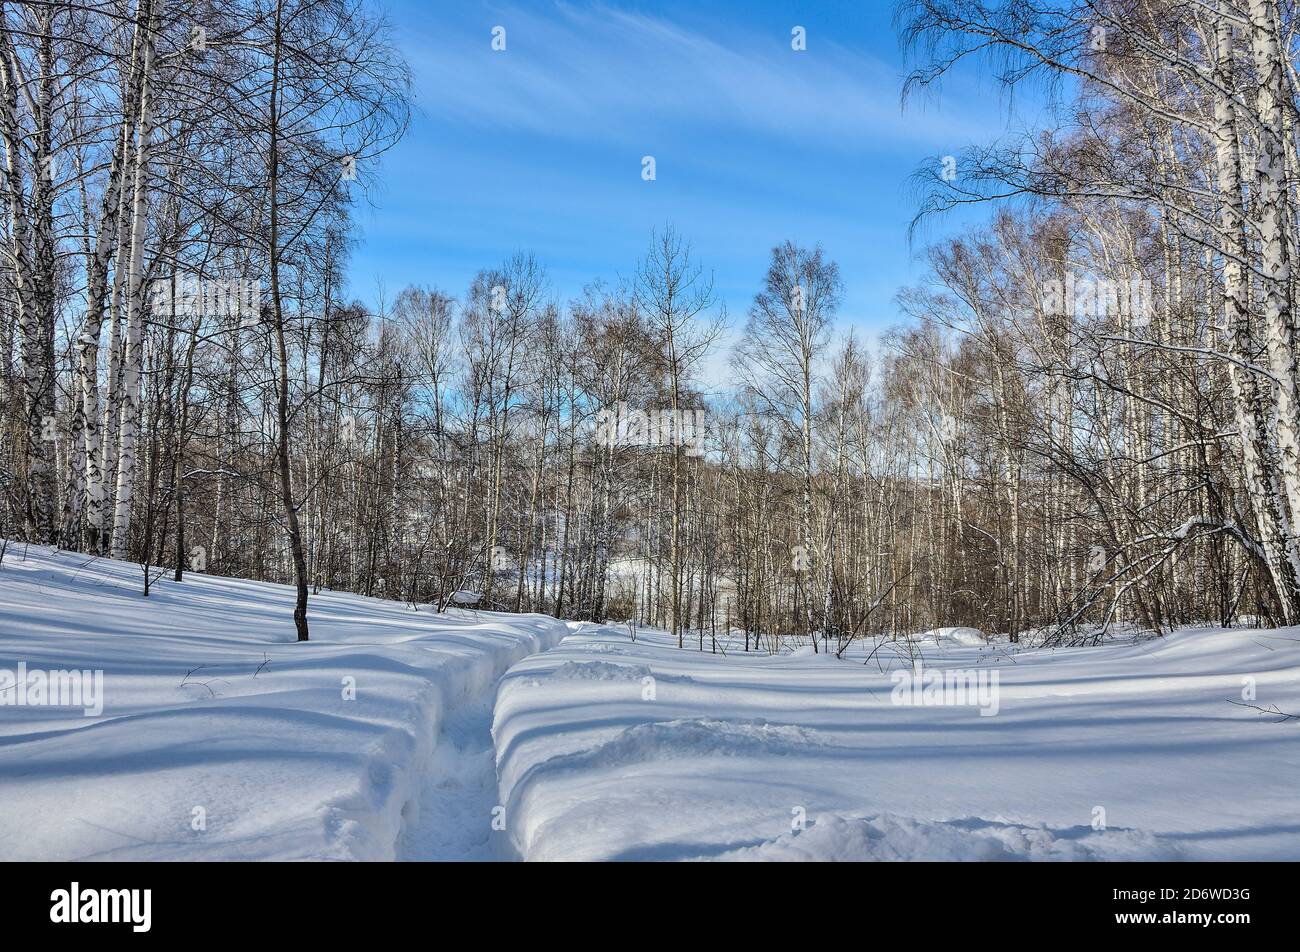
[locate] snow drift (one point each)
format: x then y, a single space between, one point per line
1118 752
220 737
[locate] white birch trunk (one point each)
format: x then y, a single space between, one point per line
1275 267
133 345
1259 465
106 244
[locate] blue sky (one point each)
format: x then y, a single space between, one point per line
539 147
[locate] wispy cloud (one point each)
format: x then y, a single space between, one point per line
593 72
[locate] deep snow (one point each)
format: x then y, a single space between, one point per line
609 749
612 749
259 741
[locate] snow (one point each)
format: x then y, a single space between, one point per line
889 837
970 637
1115 752
399 733
213 713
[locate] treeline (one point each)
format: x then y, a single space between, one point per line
1087 419
213 143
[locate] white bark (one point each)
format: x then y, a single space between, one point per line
133 344
1269 218
106 244
1259 464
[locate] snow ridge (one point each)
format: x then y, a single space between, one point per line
892 838
1122 751
223 738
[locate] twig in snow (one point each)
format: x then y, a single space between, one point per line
185 681
1271 710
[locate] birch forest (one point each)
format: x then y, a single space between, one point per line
1086 417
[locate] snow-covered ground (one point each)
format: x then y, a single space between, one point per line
221 738
609 749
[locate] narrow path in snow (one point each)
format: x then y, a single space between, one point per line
452 820
455 808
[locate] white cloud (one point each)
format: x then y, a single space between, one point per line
598 73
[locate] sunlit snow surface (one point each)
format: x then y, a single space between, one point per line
609 749
221 738
212 712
